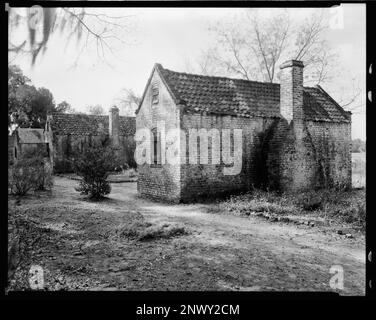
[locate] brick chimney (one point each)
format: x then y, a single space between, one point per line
113 125
291 96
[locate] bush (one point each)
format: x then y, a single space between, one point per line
349 207
94 166
29 172
22 177
43 174
311 201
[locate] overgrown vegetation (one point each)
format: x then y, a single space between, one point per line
343 206
358 146
43 172
146 231
257 201
94 165
28 106
30 172
358 170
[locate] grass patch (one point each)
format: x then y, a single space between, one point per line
342 206
146 231
257 201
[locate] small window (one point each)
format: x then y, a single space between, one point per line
15 152
155 94
156 143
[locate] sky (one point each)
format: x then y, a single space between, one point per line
172 37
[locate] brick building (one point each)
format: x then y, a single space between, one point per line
68 133
292 137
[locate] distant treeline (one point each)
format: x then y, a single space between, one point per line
358 145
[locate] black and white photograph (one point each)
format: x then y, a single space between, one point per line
199 148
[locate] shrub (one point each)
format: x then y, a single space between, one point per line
311 201
94 166
43 174
22 177
29 172
349 207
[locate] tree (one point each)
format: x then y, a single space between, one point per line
75 23
351 96
254 48
42 104
16 79
358 145
128 102
206 63
269 43
37 103
95 110
64 107
28 106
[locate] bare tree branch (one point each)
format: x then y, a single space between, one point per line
101 27
255 52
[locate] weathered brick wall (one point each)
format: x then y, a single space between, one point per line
158 181
127 148
306 155
64 147
291 157
205 180
332 143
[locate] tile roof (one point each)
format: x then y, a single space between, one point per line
84 124
319 106
245 98
30 135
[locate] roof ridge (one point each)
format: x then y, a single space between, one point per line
228 78
206 94
220 77
18 128
89 115
79 114
231 78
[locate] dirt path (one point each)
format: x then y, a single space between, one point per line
222 252
264 255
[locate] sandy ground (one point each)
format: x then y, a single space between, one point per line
79 248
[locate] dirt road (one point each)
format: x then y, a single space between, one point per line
221 252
